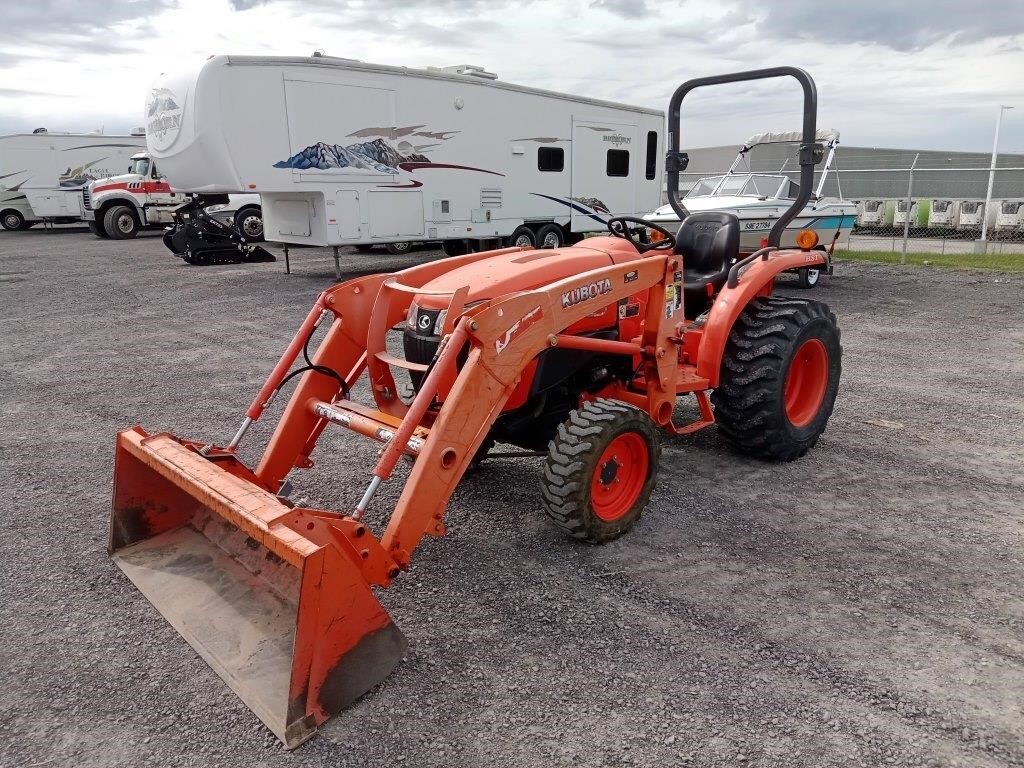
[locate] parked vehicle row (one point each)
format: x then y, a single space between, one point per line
63 178
1001 216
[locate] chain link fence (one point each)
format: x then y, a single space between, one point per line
957 214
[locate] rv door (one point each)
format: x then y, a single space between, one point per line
606 157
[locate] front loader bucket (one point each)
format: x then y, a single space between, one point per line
287 619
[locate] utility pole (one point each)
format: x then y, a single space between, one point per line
992 173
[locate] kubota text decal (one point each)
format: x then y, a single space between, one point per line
584 292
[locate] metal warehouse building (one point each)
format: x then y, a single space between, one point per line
878 173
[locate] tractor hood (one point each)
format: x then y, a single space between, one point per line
524 270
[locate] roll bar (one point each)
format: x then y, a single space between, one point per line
811 152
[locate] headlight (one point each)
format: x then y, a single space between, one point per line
439 324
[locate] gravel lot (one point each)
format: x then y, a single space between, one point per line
861 606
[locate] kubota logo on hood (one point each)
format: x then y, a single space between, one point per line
584 292
163 118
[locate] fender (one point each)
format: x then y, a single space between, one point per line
117 197
755 281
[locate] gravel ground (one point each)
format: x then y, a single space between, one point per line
861 606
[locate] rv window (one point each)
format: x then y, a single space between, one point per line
652 154
550 159
618 162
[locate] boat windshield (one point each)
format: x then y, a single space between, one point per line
761 186
704 187
752 185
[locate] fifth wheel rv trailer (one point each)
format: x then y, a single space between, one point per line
347 153
42 174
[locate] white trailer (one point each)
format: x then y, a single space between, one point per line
42 174
900 215
944 214
1009 217
347 153
973 214
876 213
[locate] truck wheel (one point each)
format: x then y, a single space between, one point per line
121 223
249 221
97 229
523 237
780 375
12 220
397 249
550 236
600 470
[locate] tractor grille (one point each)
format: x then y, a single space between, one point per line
86 199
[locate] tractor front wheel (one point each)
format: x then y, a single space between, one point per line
780 375
600 470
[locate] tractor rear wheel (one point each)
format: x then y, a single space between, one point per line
600 470
780 375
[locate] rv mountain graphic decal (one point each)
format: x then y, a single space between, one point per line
376 155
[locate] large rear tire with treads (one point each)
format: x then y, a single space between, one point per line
780 375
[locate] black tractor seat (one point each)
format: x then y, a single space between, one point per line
709 243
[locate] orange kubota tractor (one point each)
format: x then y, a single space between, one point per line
582 352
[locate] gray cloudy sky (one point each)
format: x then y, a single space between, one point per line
921 74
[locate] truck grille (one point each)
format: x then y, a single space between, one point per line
86 199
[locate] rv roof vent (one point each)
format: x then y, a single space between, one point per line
140 131
467 69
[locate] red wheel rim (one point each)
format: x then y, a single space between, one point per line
619 476
806 382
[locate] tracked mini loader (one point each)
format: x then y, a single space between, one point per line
201 239
581 352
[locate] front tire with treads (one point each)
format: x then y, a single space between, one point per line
780 375
600 470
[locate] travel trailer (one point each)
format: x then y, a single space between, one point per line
348 153
1009 217
944 214
758 199
42 174
973 213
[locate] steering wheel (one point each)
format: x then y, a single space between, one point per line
619 226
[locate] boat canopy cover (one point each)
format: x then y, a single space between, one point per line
825 135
